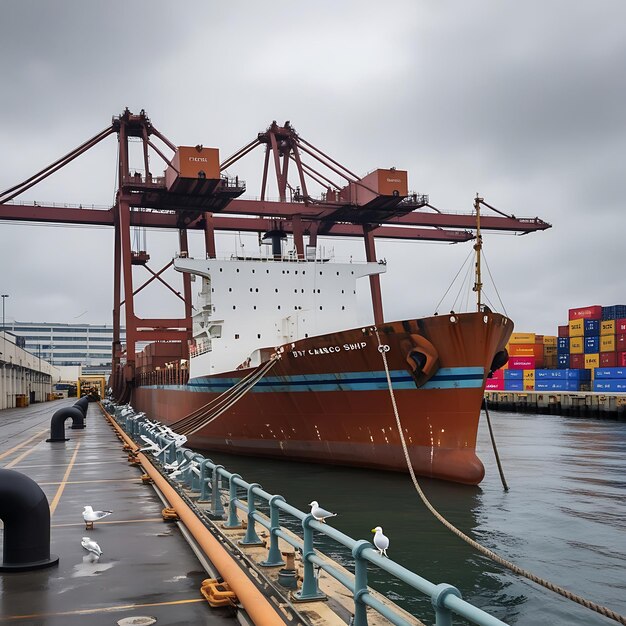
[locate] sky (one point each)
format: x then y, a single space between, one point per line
523 103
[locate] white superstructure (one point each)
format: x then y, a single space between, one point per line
247 304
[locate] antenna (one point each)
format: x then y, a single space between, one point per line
478 285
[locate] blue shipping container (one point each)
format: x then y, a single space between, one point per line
592 327
611 384
562 360
557 385
610 372
514 385
564 374
562 344
615 312
592 344
513 374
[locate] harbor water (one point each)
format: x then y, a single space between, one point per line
564 518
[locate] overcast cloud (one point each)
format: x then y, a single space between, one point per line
522 102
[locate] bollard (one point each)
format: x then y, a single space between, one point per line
25 512
57 423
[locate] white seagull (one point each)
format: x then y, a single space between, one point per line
90 516
380 541
319 513
91 546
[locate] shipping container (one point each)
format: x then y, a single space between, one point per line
514 375
498 375
577 328
563 344
514 385
620 326
564 374
621 359
592 328
620 342
549 362
529 374
616 385
592 361
611 372
529 385
563 360
522 363
522 338
614 312
592 344
608 359
557 385
577 361
607 343
577 345
593 312
526 349
549 340
607 327
563 331
494 384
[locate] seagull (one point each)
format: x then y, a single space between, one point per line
319 513
90 516
380 541
91 546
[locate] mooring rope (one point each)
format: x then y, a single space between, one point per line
602 610
495 448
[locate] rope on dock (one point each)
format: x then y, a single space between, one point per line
598 608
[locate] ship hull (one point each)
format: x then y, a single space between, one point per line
327 398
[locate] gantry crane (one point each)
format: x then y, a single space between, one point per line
195 194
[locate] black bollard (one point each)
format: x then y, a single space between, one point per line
25 512
57 423
83 405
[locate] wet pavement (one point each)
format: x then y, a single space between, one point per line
147 569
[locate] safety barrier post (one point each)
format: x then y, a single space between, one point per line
443 615
233 520
309 590
360 582
216 500
204 481
251 538
195 477
274 556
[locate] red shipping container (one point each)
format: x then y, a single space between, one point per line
522 363
577 361
494 384
564 331
620 342
620 326
608 359
621 359
593 312
498 375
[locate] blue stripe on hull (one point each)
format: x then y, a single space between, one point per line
445 378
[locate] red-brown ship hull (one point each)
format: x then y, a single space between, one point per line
327 399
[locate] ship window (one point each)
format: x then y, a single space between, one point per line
257 290
306 334
343 308
276 290
279 307
230 289
250 289
337 273
320 273
238 271
320 308
354 291
258 336
295 291
283 271
295 308
352 272
267 271
212 289
302 290
318 291
254 307
234 307
253 271
221 269
236 336
342 291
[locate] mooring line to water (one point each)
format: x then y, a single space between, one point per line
495 448
598 608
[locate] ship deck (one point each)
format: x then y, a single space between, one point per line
147 568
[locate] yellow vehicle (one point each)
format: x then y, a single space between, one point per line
91 385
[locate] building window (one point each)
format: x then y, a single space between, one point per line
236 336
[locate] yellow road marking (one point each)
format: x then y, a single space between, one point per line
24 454
57 496
105 609
20 445
100 480
125 521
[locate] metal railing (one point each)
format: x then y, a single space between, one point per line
210 482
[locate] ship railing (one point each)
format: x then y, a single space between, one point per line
204 479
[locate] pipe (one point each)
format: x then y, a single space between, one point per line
82 404
57 423
25 512
255 603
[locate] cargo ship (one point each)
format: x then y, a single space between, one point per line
274 372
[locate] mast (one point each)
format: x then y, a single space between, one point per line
478 285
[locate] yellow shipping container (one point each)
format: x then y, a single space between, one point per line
592 361
529 385
522 338
548 350
529 375
549 340
607 327
607 343
577 328
576 345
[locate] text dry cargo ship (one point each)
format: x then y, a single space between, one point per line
322 394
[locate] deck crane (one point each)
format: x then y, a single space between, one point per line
194 194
